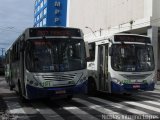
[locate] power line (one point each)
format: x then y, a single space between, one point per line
4 43
9 28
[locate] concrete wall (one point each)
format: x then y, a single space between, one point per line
105 13
155 20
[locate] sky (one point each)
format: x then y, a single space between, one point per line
15 17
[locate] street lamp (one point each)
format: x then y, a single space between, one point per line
91 30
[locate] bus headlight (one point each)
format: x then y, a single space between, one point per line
34 82
31 82
117 81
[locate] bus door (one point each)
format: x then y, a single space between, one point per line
103 81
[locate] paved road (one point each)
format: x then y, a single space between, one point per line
141 106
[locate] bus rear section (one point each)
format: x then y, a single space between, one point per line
123 63
51 63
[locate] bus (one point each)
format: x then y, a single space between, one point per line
2 65
121 63
46 62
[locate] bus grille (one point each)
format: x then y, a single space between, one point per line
136 76
56 77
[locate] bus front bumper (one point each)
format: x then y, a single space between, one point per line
36 93
116 88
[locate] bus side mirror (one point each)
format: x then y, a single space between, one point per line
87 51
110 51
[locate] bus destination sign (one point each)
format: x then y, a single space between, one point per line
40 32
131 38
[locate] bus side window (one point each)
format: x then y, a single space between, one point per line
91 51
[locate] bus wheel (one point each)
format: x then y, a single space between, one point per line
69 98
10 86
127 94
20 93
91 87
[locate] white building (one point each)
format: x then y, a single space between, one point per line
113 16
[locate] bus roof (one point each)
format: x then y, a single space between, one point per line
41 28
108 37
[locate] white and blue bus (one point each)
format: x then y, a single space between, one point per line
47 62
121 63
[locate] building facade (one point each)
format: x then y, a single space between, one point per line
50 13
104 17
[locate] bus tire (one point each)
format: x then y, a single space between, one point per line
20 93
11 86
69 97
127 94
92 89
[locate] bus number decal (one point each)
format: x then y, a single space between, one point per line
126 81
144 81
46 84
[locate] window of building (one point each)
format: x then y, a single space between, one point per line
45 11
41 14
37 8
41 4
35 20
41 24
44 21
38 17
91 51
45 1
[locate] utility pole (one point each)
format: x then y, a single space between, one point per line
100 31
2 51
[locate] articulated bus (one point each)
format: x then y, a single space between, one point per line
121 63
47 62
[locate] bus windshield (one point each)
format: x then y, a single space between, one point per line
132 58
55 55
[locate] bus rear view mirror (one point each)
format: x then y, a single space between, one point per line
110 51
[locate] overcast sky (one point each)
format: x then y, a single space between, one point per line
15 16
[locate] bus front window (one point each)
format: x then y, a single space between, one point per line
132 58
55 55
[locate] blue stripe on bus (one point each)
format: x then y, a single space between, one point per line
35 93
116 88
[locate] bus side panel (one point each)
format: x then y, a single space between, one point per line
22 73
15 72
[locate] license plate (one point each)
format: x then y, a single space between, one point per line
60 92
136 86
